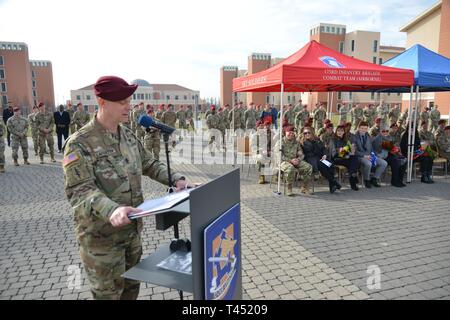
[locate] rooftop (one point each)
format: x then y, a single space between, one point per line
422 16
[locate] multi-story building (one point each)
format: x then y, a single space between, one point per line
23 82
432 30
154 94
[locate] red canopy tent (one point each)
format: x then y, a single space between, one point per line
318 68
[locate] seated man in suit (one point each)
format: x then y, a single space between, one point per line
366 156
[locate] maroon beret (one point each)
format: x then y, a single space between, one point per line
447 128
16 109
113 88
41 104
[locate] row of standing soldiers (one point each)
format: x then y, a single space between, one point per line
151 137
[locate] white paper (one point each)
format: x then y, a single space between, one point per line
178 262
326 162
155 206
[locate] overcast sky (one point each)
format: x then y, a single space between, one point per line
181 41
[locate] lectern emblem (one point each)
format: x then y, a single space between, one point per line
222 256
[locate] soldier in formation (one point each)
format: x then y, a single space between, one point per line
45 123
18 127
80 117
357 115
2 147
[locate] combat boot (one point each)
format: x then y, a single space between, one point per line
261 179
305 189
53 160
289 192
2 168
16 163
25 161
42 160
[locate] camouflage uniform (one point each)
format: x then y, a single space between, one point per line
237 118
326 139
383 112
319 116
2 147
393 115
427 136
343 111
369 115
213 122
80 118
170 118
18 126
138 128
34 131
152 142
45 121
438 133
289 115
443 144
181 116
357 115
159 115
250 119
301 118
435 116
102 172
225 118
291 149
424 117
190 118
72 124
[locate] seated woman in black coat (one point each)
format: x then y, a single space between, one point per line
420 155
342 152
315 153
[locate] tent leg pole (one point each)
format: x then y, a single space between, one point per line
414 125
281 136
409 156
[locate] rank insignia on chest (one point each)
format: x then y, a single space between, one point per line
70 158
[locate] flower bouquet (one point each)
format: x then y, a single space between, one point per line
426 152
390 147
344 152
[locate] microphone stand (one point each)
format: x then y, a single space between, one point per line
175 226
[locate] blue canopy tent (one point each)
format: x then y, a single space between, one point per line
431 74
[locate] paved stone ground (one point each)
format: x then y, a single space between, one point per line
304 247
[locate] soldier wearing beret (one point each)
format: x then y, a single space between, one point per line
103 164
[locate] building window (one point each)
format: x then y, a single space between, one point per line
339 95
289 98
1 60
167 97
34 84
333 30
343 30
96 108
142 96
353 45
78 98
380 60
2 73
34 93
378 95
86 108
372 95
375 45
341 46
3 87
374 60
5 100
328 29
322 29
350 95
176 97
88 97
33 74
338 30
267 99
185 97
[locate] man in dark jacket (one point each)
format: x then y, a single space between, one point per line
62 122
8 113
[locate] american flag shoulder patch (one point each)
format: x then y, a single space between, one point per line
71 157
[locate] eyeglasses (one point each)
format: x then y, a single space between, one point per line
384 130
307 132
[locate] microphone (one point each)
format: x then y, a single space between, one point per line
148 122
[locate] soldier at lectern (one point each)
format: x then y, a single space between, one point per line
103 164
